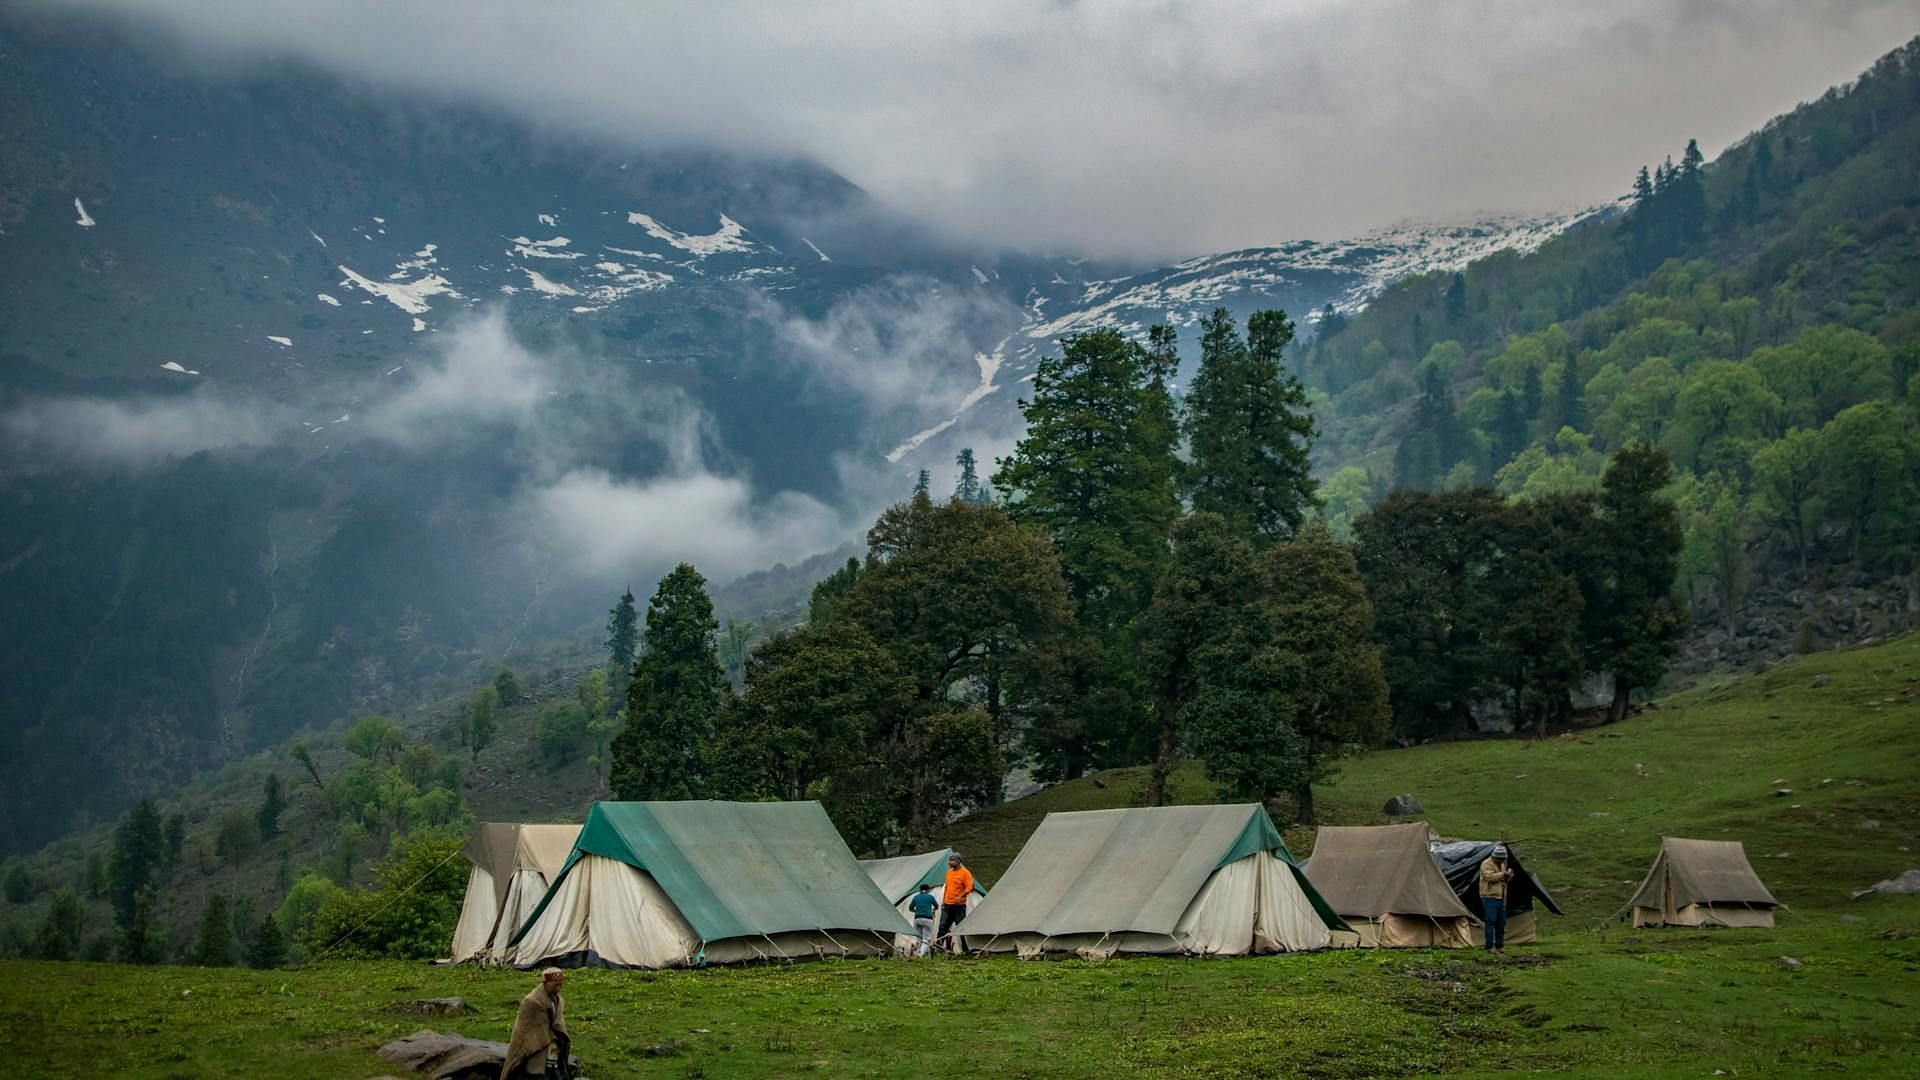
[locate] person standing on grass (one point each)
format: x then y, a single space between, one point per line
540 1045
953 903
1494 875
922 906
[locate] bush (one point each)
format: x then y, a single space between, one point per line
562 726
59 936
410 914
238 836
18 883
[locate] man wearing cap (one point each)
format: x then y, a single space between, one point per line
540 1044
953 902
1494 875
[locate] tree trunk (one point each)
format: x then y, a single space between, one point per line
1163 757
1617 711
1303 804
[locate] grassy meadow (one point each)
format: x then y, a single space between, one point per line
1594 998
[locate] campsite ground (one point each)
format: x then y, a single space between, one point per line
1840 730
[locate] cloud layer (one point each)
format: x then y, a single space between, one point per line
1141 127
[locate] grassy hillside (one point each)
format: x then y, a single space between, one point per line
1598 1002
1840 731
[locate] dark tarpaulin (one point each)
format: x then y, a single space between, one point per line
1460 861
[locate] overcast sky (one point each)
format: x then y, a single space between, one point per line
1118 127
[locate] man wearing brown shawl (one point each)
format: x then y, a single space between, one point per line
540 1042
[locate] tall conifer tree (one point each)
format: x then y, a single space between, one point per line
1249 429
677 689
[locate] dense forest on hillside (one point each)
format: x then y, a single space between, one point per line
1754 317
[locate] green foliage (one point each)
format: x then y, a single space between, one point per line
214 945
968 488
173 843
302 754
1866 457
142 940
58 937
273 803
137 853
563 725
677 690
267 945
481 722
237 837
623 644
1248 429
96 875
506 687
824 603
18 883
374 737
302 905
409 913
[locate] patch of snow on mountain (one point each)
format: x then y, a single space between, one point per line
86 220
730 237
551 288
979 274
656 256
325 299
549 221
419 324
422 259
175 365
816 249
542 249
408 296
283 342
989 364
316 237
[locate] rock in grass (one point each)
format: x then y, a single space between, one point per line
1788 962
1908 882
1403 806
449 1057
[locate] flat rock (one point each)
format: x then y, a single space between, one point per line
1788 962
1908 882
449 1057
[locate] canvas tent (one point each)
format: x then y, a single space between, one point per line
671 884
1460 862
1385 883
1206 880
900 877
1702 883
511 867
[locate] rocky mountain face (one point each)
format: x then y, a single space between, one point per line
315 400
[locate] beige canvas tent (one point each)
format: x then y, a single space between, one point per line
1200 880
1702 883
900 877
1384 882
511 867
684 884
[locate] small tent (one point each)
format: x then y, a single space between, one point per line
900 877
1460 861
673 884
1205 880
1385 883
511 867
1702 883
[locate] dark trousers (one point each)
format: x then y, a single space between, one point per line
950 917
1496 922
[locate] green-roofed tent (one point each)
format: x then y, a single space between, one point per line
1203 880
672 884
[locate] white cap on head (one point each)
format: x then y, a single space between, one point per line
1499 851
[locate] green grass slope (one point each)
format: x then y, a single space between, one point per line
1590 1000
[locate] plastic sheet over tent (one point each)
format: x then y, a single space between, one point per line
1702 883
1384 882
668 884
511 867
1203 880
900 877
1460 863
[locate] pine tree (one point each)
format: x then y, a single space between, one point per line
96 875
481 722
1569 399
173 844
623 642
1248 429
1509 429
677 689
140 941
920 482
136 855
272 804
267 947
1456 300
214 946
59 935
1640 625
968 489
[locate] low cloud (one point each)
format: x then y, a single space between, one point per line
482 375
135 432
612 525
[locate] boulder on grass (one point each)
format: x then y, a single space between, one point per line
1404 806
450 1057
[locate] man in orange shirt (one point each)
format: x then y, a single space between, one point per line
953 903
